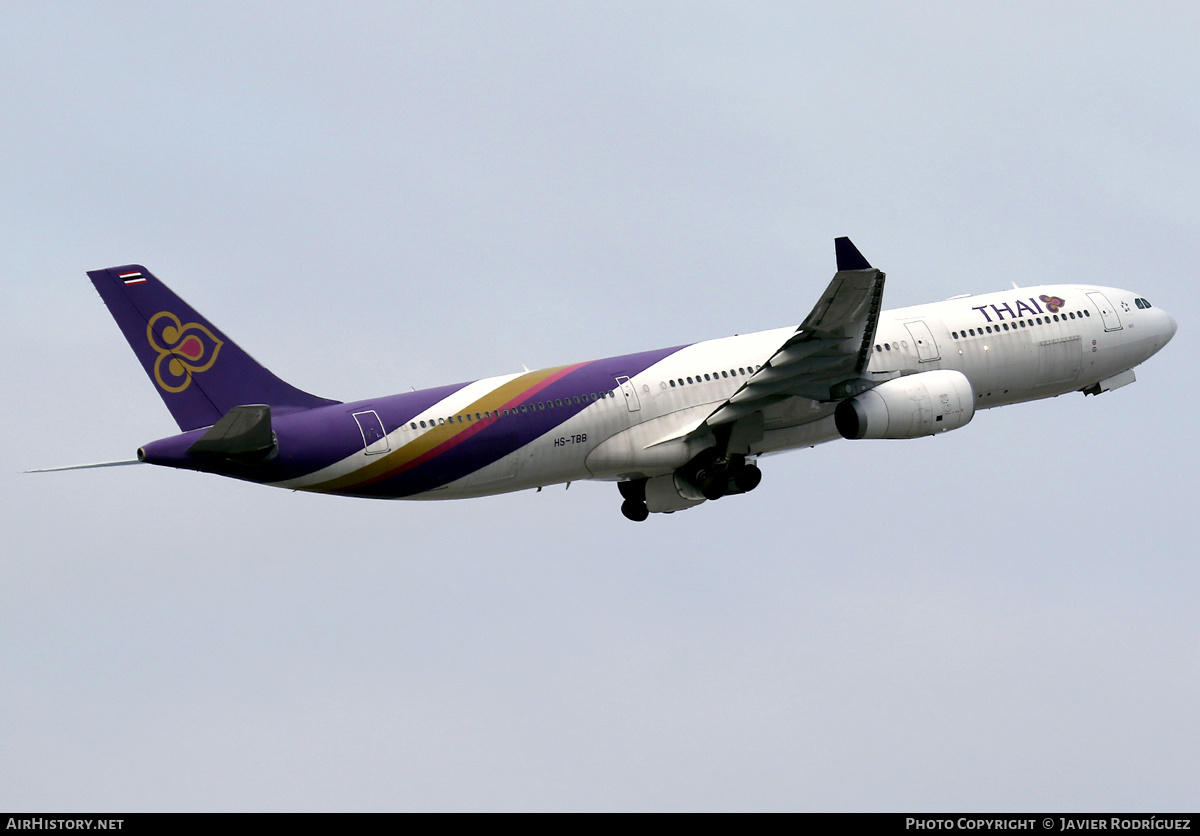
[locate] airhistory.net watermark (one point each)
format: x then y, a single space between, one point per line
42 823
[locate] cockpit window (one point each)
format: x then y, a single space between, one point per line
1142 303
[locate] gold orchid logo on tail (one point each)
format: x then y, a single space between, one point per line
188 350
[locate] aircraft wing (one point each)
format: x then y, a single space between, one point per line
825 358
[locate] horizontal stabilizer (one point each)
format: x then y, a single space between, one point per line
84 466
242 433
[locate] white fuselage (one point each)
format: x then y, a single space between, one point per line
1012 346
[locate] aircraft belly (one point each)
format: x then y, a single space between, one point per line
650 448
553 458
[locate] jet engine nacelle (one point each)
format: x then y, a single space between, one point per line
909 407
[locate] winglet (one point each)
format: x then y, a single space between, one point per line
848 256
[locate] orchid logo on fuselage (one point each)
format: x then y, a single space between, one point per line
1023 308
183 350
1053 303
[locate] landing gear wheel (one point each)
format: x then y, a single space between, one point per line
634 489
710 482
634 510
747 478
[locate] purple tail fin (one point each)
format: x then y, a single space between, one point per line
199 372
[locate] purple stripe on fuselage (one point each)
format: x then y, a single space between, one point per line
507 435
322 437
308 441
312 440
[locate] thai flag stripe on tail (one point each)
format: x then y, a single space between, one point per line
132 278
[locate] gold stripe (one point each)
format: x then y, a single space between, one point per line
431 439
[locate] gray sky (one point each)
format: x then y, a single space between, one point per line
374 196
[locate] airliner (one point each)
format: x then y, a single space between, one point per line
673 427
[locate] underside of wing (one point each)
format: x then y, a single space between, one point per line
825 358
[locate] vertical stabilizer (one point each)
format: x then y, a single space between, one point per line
199 372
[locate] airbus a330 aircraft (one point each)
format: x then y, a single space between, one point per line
672 427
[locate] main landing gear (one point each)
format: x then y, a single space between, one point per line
634 507
708 478
725 478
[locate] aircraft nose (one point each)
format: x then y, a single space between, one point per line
1168 328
